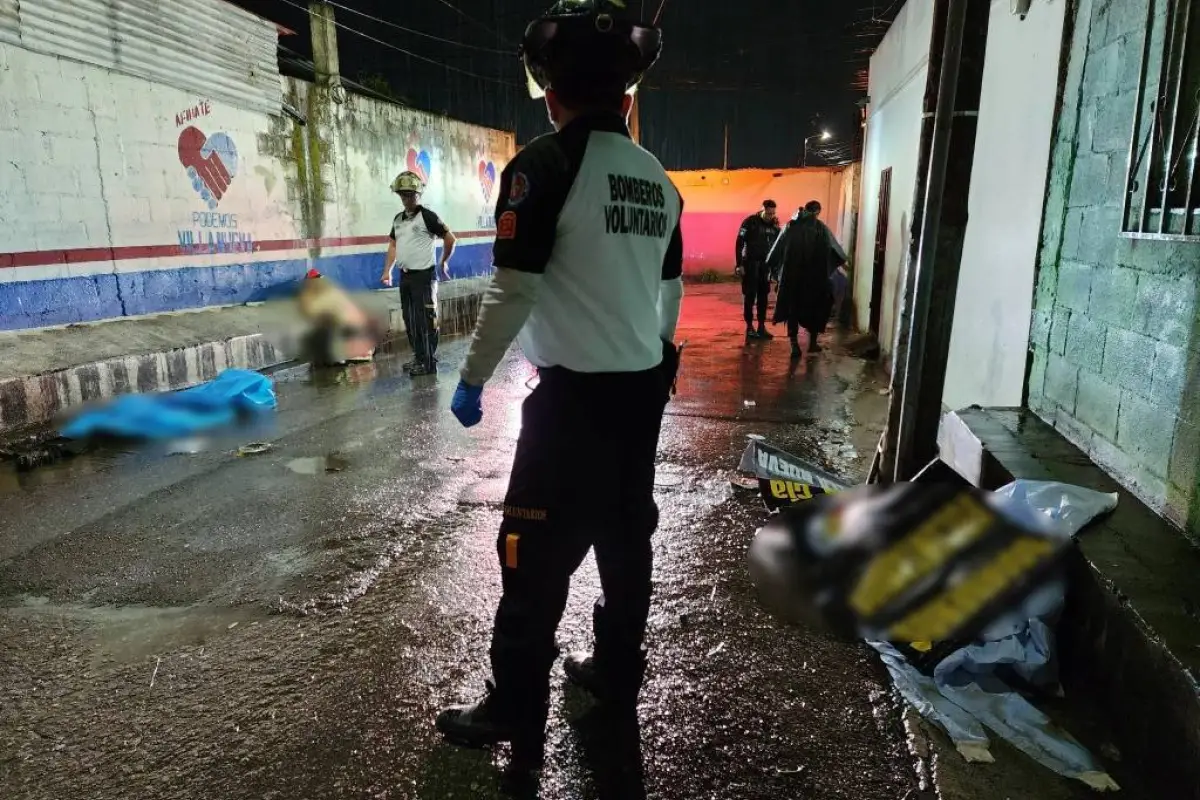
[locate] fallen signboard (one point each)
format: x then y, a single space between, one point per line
785 479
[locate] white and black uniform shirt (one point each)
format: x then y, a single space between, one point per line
416 236
598 218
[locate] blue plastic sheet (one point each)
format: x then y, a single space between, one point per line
169 415
967 692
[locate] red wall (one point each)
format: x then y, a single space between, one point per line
715 203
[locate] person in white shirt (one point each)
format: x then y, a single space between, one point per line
589 258
412 248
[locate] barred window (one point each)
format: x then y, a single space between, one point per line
1161 190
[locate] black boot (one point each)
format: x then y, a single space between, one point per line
614 689
483 724
750 334
581 671
476 725
796 351
763 333
421 369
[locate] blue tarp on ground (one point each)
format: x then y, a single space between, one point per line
174 414
967 692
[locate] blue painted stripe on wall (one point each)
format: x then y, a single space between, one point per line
61 301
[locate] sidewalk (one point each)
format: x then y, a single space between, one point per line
46 371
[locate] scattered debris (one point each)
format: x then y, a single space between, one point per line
747 482
36 450
155 673
715 650
254 449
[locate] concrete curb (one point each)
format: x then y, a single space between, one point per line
34 400
38 399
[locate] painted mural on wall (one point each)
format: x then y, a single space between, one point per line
439 167
217 204
210 163
487 183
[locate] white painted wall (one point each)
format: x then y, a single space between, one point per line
375 141
92 160
897 89
104 219
1008 185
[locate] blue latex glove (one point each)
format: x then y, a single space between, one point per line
467 404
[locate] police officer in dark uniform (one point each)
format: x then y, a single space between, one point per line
754 240
588 259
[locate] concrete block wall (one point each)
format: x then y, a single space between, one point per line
1115 336
111 209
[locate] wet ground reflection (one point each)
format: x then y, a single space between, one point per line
303 623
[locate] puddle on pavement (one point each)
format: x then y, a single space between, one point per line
131 633
317 465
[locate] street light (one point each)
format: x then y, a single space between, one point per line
824 136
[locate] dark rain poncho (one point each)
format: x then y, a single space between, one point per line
800 260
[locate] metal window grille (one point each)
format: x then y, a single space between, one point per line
1161 186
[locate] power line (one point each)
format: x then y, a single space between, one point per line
420 33
411 54
471 19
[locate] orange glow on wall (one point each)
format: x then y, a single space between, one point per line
715 202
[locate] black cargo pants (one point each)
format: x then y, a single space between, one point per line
419 309
756 291
582 478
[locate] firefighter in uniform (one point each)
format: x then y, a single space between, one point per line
413 240
588 259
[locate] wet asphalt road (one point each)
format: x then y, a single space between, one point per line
286 625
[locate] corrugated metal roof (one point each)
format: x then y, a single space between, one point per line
10 29
203 46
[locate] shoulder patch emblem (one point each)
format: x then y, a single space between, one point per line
519 189
506 226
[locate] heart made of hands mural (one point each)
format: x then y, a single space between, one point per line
211 163
487 179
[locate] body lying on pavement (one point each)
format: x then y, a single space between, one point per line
339 331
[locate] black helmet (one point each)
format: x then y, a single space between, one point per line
593 41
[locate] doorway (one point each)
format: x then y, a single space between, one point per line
881 236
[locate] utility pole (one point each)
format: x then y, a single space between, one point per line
324 43
939 230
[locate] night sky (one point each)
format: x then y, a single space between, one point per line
773 71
